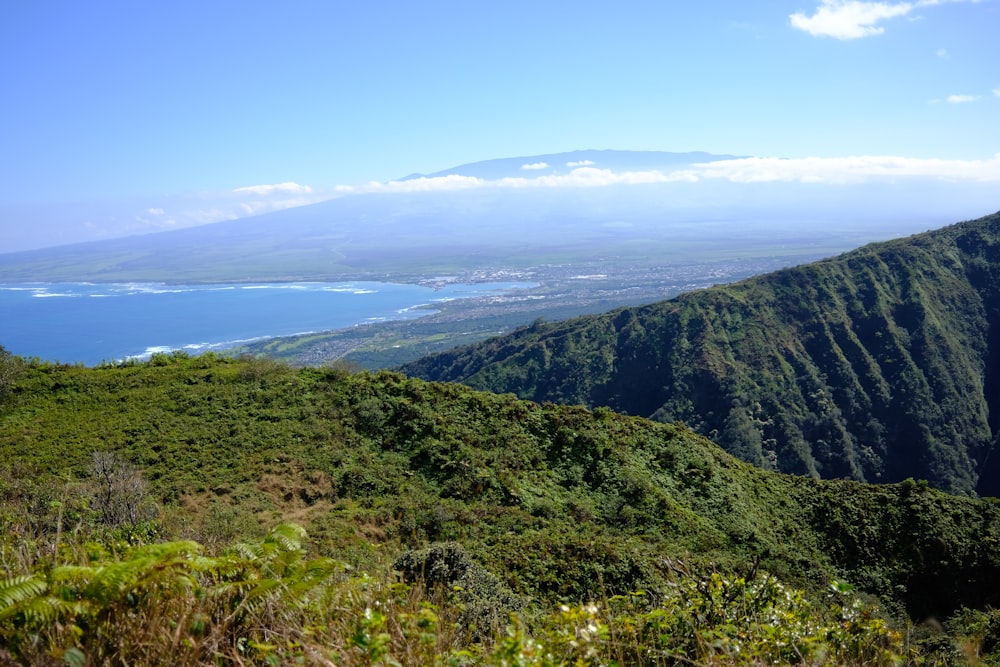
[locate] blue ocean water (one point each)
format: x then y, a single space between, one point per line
92 323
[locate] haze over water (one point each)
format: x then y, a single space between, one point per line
91 323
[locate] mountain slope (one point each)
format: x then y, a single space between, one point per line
878 365
563 503
402 230
497 215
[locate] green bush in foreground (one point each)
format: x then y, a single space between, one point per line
267 603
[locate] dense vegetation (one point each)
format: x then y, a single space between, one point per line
269 603
878 365
523 507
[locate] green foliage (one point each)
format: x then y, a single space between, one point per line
11 368
710 621
558 504
267 603
485 600
163 603
876 365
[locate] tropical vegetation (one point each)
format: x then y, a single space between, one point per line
198 510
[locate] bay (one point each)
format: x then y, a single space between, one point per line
94 323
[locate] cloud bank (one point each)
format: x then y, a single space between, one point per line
579 177
256 200
218 207
279 188
853 169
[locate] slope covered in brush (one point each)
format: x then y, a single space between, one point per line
559 502
880 364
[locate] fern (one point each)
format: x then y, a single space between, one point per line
288 537
72 575
266 591
42 611
14 591
163 550
244 551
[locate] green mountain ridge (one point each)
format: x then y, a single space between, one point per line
561 503
877 365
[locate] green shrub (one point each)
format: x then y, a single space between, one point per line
487 602
11 368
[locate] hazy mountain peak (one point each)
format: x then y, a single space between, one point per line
561 163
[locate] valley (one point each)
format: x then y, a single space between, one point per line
877 364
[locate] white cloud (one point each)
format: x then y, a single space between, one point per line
996 92
851 169
201 216
580 177
584 177
535 166
942 53
258 207
422 184
581 163
286 188
232 205
853 19
241 208
257 200
848 20
961 99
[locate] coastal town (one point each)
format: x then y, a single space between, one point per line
560 291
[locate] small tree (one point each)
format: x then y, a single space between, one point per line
119 493
10 368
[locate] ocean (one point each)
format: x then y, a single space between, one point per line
94 323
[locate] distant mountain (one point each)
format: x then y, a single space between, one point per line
535 217
879 365
563 163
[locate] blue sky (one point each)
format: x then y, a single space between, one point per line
124 117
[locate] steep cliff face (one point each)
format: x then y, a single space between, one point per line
877 365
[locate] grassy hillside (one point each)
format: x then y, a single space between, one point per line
522 506
560 502
878 365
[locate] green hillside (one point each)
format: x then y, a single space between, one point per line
876 365
561 502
